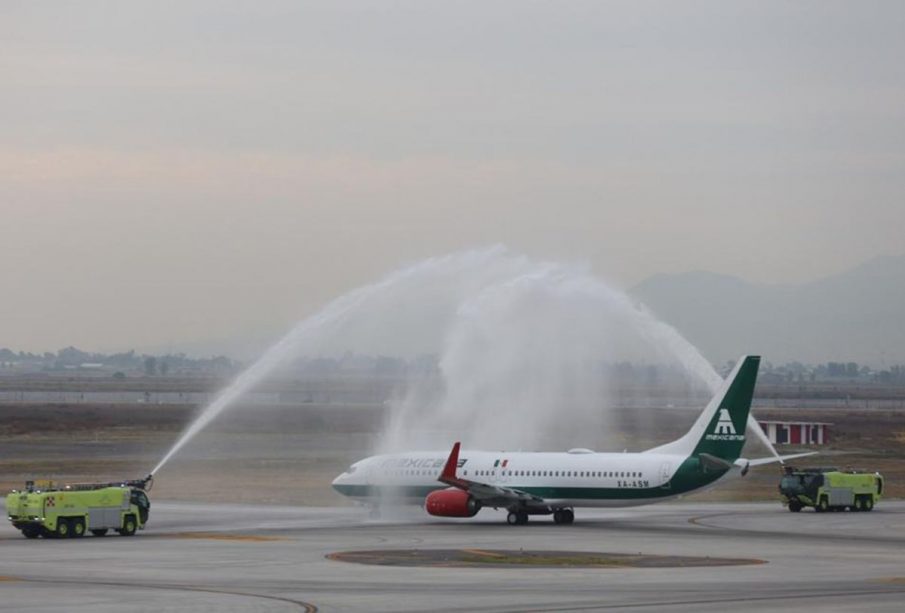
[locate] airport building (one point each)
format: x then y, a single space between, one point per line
796 432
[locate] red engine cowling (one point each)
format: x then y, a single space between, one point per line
451 503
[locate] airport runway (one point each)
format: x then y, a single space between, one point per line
206 557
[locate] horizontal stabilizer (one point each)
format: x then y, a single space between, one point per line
781 459
712 462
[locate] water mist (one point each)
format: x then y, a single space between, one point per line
520 344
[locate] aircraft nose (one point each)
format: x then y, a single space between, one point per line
339 481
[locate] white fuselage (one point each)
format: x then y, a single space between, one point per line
576 478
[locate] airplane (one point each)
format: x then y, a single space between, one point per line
543 483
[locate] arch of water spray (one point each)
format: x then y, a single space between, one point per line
507 328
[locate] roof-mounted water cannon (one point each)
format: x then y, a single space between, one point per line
145 484
142 484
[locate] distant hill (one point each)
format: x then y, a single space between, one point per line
857 315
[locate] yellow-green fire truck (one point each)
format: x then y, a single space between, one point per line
42 509
829 489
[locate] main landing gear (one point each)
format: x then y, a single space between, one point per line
519 517
563 516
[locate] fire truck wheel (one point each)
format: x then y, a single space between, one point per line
823 505
31 532
794 506
63 528
868 503
99 532
78 528
128 528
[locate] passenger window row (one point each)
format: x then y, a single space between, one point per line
558 473
528 473
410 472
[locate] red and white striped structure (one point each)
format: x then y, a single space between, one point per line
796 432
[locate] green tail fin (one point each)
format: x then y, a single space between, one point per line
719 431
727 414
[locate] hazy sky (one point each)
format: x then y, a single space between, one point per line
173 172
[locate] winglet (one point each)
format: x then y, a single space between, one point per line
448 475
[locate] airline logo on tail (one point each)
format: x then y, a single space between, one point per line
724 429
724 423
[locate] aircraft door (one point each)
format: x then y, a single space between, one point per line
497 473
503 472
665 473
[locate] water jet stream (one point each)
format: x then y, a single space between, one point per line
516 337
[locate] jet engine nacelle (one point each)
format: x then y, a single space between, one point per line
451 503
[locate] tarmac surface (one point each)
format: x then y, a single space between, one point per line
214 557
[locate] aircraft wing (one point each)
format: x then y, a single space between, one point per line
781 459
488 493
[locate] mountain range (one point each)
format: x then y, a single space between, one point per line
857 315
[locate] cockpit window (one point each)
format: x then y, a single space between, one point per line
139 499
790 483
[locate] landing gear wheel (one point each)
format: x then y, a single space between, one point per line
823 505
99 532
868 503
78 528
129 526
31 532
522 517
563 516
513 518
794 506
63 529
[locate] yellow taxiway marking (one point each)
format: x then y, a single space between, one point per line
481 552
900 580
8 579
214 536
